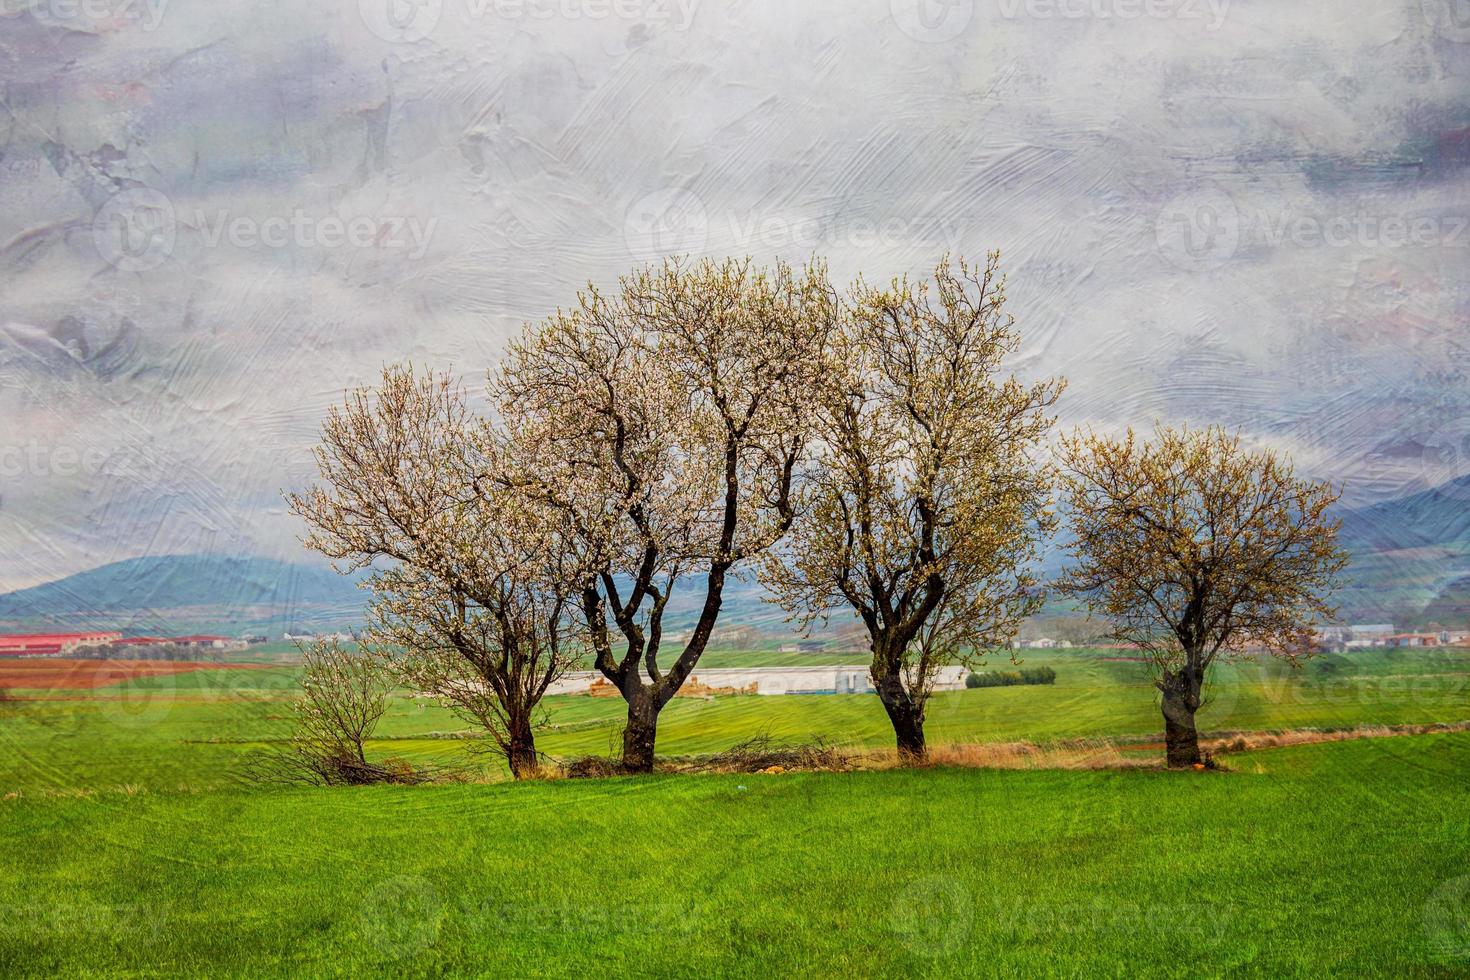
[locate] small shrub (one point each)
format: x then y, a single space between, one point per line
343 696
592 767
1012 678
762 753
1038 675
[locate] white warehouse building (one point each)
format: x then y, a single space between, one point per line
775 680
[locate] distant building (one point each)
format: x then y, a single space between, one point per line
142 641
771 681
53 644
207 642
1412 640
342 637
1371 634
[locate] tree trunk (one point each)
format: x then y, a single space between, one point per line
1181 738
907 716
642 730
520 750
908 727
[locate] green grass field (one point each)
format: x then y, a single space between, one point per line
131 848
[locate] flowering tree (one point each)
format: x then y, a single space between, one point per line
666 422
473 580
1196 548
927 497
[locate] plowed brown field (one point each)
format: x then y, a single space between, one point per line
40 673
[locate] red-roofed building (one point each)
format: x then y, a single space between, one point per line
53 644
1413 640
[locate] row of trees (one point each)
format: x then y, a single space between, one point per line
863 451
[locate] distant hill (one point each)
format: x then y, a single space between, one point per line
167 593
1406 553
1410 560
1411 565
1452 606
1434 519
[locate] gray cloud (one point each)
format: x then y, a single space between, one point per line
1200 205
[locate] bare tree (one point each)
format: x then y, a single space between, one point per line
473 579
666 421
344 694
1196 548
927 499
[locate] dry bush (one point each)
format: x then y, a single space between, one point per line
1079 755
300 765
763 752
1252 741
760 753
344 694
592 767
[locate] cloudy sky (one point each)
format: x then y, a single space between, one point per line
214 217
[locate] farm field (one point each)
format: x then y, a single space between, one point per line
191 729
132 847
1347 858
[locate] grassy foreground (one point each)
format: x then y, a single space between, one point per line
130 848
1350 858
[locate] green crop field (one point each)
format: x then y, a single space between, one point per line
131 846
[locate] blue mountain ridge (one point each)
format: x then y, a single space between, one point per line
1411 560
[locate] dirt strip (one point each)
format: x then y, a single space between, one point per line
58 674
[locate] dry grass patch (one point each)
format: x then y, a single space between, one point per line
1253 741
765 755
1092 754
